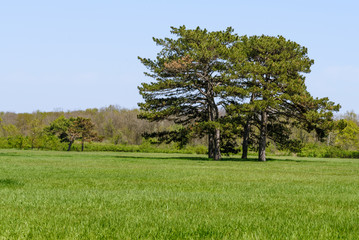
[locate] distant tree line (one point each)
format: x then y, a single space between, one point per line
117 126
112 125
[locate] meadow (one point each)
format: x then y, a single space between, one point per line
107 195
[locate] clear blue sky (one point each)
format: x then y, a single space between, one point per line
82 54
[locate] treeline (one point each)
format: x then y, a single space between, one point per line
119 129
113 125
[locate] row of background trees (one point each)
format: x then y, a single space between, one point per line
111 124
116 126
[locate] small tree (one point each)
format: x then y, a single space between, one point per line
71 129
85 127
35 132
347 132
65 129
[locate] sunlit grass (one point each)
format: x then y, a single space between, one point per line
60 195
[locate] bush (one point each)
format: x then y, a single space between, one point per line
4 143
317 150
19 142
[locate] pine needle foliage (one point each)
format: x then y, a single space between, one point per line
190 73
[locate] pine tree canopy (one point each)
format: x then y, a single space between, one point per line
257 82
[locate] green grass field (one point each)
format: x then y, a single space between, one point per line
60 195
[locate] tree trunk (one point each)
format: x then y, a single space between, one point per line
247 128
210 145
82 145
70 144
217 145
211 134
263 137
214 140
245 140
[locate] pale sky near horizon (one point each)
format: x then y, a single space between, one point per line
81 54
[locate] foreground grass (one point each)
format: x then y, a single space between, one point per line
60 195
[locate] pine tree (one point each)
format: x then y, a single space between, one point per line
190 73
273 79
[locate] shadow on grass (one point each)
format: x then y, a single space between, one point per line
224 159
9 154
294 160
197 158
11 183
175 158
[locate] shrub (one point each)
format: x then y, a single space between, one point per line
317 150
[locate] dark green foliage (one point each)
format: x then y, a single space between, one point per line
180 136
190 73
273 81
230 130
257 80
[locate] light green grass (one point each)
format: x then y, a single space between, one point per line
60 195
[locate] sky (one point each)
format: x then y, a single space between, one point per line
79 54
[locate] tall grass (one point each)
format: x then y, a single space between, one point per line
60 195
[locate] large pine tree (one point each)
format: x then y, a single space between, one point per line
273 79
190 73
